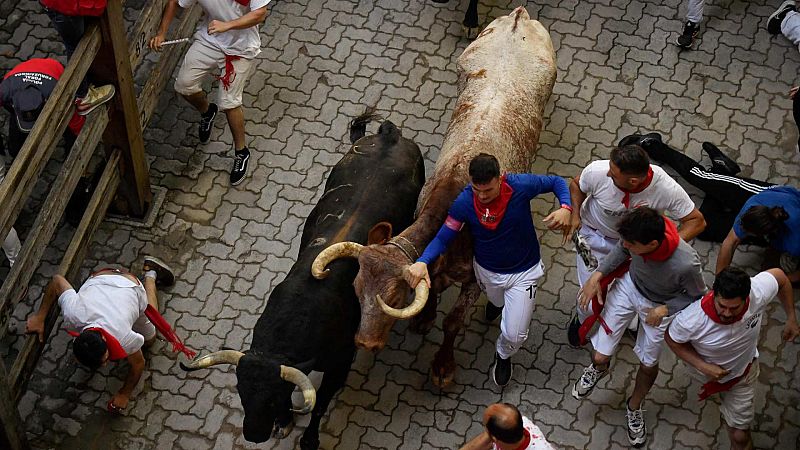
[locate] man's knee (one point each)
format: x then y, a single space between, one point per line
650 370
740 438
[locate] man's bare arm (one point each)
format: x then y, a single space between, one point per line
693 224
55 288
726 251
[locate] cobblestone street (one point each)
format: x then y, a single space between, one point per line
619 72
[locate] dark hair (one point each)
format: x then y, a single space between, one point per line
631 160
483 168
89 348
510 433
762 220
732 282
642 225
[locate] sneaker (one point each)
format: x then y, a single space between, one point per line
492 312
775 20
164 275
687 38
582 247
240 166
573 328
650 142
586 383
720 163
637 429
96 96
501 372
207 122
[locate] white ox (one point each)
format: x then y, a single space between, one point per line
506 77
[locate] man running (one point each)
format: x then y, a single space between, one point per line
717 338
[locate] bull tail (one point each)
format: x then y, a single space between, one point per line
358 127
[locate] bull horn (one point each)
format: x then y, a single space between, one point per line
335 251
420 298
212 359
297 377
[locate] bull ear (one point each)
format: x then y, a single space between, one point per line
380 233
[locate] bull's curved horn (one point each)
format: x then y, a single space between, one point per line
335 251
212 359
420 298
297 377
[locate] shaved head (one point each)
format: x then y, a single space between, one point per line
503 421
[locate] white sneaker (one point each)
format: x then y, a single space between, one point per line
586 383
637 429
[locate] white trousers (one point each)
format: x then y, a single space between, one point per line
623 303
516 293
694 10
600 246
11 244
790 27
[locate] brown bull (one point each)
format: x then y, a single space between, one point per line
506 77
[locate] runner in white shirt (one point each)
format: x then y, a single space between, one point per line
107 316
603 192
507 429
227 41
717 336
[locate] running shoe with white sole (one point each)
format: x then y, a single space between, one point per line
586 383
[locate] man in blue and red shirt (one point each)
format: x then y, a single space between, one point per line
507 261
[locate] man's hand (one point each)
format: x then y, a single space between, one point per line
218 26
793 92
713 371
655 315
558 220
589 290
415 273
155 42
572 227
118 403
791 331
35 324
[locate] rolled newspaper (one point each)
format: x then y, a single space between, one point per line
176 41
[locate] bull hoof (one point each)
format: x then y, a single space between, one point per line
471 32
440 378
280 432
421 326
309 443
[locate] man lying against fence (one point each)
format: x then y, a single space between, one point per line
227 41
112 316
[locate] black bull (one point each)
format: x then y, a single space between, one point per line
310 324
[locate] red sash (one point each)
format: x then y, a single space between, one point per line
115 351
490 215
163 327
626 199
597 308
715 387
668 245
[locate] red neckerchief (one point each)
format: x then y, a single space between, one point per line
243 2
626 199
491 214
115 351
597 308
526 440
667 246
707 303
715 387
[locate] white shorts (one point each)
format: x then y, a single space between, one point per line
144 327
516 293
736 405
623 303
601 246
201 60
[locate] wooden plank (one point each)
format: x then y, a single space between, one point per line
124 130
168 60
12 434
145 28
42 140
25 363
50 214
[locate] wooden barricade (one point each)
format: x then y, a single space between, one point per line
109 57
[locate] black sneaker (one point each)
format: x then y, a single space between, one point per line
492 312
164 274
573 327
775 20
650 142
240 166
720 163
687 38
207 122
501 372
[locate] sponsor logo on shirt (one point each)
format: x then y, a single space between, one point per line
753 321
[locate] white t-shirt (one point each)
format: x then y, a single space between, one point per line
730 346
603 206
111 302
538 442
245 43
